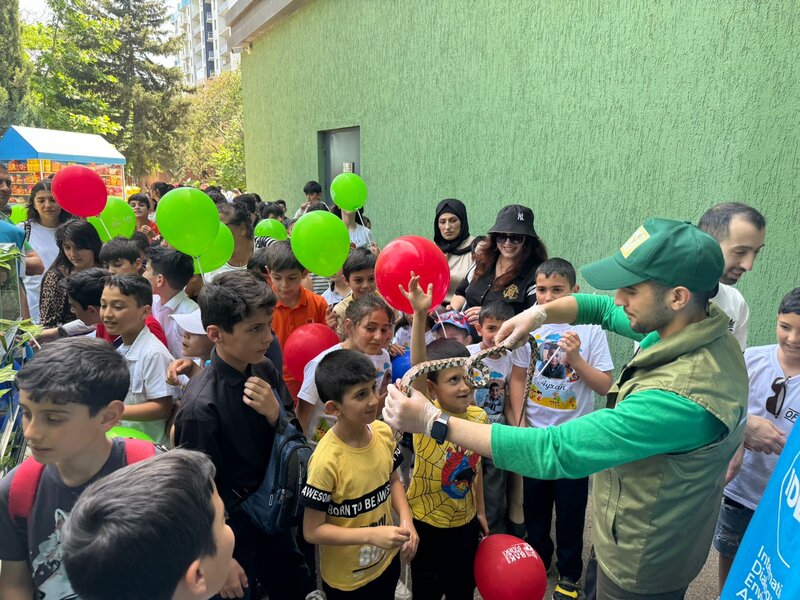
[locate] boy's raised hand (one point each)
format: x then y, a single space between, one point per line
258 396
331 320
421 301
388 536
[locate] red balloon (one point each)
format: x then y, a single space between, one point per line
507 568
304 343
80 191
406 254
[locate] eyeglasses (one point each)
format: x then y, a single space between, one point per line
775 402
8 182
511 238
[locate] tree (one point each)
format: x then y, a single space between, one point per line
68 55
145 95
15 70
215 131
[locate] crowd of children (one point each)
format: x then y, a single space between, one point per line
135 338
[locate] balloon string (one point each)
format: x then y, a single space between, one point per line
439 318
108 233
199 267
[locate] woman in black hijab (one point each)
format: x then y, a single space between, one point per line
451 234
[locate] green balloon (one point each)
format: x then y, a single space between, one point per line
188 219
271 228
217 254
19 213
320 242
117 219
128 432
348 191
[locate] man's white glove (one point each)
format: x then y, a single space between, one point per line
514 332
414 414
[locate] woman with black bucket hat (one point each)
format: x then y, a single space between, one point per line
505 265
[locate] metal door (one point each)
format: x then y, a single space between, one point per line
341 152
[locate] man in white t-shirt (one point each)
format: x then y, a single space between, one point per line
574 364
774 397
740 230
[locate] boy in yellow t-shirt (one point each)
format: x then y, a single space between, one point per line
352 487
446 491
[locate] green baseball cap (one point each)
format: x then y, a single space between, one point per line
672 253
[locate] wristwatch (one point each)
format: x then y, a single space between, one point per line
439 428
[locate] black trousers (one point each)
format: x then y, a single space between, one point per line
273 563
569 497
380 588
444 562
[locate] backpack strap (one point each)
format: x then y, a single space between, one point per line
22 492
138 450
27 231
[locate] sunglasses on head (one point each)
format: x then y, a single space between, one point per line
775 402
511 238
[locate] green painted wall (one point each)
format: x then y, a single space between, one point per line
593 114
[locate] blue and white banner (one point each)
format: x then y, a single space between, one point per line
767 565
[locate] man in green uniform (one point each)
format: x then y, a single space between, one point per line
661 453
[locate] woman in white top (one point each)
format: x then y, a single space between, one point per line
240 221
44 217
360 235
451 234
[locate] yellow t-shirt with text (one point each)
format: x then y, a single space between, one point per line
352 485
442 490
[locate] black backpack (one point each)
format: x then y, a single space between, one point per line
275 506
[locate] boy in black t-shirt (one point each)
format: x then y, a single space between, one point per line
70 394
229 411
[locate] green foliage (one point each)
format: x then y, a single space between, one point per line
14 69
214 133
94 71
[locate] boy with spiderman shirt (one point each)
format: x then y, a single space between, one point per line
352 486
71 396
229 412
446 491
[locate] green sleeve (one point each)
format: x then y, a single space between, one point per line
600 310
645 424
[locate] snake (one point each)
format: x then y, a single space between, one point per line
476 372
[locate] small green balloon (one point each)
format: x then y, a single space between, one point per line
19 213
188 219
271 228
348 191
128 432
320 242
117 219
217 254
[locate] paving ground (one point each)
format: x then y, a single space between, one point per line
704 586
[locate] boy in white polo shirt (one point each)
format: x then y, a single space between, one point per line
124 307
168 272
575 363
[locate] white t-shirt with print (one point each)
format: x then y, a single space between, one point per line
763 369
320 421
557 393
492 398
360 237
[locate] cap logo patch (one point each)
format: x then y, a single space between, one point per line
639 237
520 216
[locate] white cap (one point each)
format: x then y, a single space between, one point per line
190 322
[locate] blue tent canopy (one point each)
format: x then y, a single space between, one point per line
21 143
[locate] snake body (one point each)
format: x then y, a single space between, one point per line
477 373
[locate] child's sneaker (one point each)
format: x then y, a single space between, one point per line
566 590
